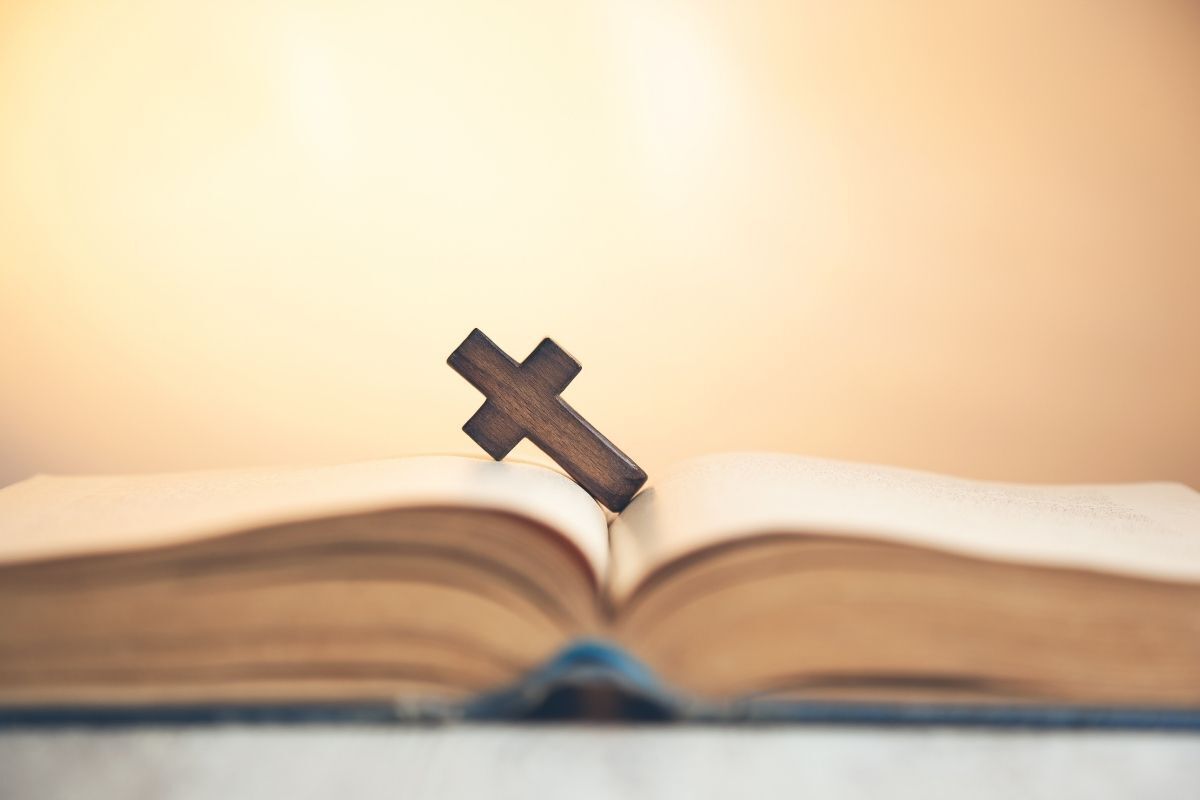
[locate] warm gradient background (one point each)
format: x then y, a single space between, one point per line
961 236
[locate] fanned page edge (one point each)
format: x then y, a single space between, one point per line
1147 530
57 516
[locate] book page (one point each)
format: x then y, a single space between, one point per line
48 516
1149 529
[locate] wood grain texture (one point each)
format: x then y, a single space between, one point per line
523 402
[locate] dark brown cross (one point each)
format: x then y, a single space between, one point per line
523 402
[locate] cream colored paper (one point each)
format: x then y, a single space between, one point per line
50 516
1150 529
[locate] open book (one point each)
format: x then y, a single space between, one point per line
735 576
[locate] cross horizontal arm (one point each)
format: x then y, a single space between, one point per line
550 366
494 431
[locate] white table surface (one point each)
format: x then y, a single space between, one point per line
347 762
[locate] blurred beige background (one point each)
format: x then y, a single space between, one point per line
959 236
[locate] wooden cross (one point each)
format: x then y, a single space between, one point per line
523 402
